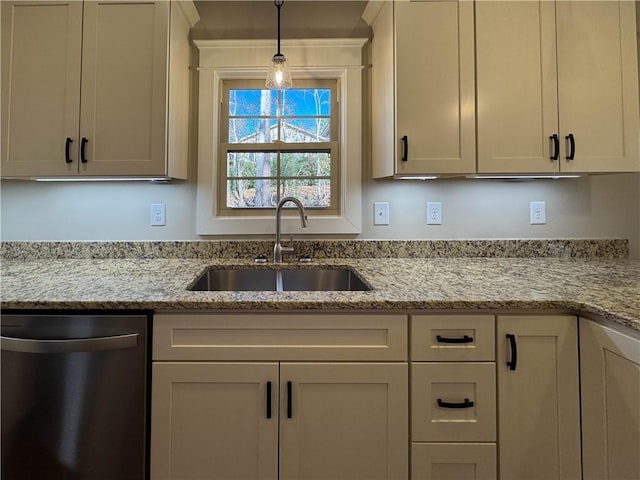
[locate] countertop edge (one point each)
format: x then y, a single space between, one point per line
493 307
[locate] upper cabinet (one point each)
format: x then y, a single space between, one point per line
547 87
557 87
422 80
95 88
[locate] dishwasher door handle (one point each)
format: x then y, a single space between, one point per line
29 345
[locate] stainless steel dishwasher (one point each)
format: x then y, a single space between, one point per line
74 396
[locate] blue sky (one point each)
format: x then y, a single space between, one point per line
297 102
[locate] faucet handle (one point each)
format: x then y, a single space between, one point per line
289 246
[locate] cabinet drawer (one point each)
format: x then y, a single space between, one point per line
460 461
452 338
453 402
222 336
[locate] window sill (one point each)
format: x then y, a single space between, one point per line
319 225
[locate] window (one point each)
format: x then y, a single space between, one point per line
256 146
277 144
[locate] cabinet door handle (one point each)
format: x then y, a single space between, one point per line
268 399
67 146
289 400
514 352
572 146
83 148
405 148
556 146
464 339
466 404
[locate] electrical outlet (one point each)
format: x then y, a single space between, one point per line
158 215
381 213
537 213
434 213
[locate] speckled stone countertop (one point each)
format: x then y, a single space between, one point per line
602 287
322 249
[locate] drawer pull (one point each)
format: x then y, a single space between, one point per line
289 399
268 399
466 404
514 352
465 339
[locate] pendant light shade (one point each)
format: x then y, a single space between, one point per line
279 75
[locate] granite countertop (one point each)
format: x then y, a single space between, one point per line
604 287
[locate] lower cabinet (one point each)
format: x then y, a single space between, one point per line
335 420
211 420
495 397
326 396
453 397
279 419
538 397
610 382
343 421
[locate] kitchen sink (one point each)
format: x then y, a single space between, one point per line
279 280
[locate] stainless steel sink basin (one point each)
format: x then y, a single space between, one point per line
322 280
245 279
279 280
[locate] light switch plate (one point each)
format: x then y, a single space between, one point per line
381 213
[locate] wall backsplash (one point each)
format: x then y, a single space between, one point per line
605 206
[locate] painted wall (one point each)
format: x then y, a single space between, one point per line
606 206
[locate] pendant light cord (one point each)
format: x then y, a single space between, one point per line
278 4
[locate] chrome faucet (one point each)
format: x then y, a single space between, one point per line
278 248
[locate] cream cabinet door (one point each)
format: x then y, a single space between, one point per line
538 397
435 90
516 87
598 85
610 382
557 87
41 50
211 421
124 88
343 421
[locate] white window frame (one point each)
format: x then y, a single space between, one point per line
339 59
330 147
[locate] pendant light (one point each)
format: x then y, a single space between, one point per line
279 76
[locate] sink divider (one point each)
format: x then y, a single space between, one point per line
279 287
